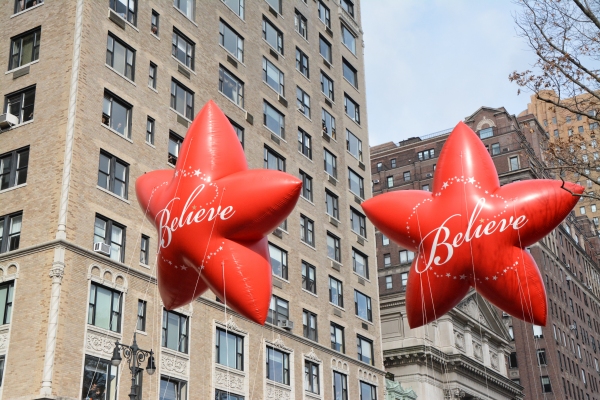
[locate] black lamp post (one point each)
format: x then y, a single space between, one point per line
135 357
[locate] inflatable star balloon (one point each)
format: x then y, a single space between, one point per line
471 233
212 215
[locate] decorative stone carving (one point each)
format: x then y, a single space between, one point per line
106 277
279 343
485 121
494 361
312 356
277 393
367 376
339 365
459 340
3 341
173 364
470 307
230 325
228 381
455 393
477 351
100 343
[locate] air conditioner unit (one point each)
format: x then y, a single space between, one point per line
568 277
102 248
429 175
7 120
376 181
286 324
573 327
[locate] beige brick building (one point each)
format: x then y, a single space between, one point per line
97 93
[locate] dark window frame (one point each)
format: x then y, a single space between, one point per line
311 380
337 249
361 183
308 331
343 379
346 66
239 350
224 76
362 222
328 123
278 157
356 116
276 314
304 143
193 11
285 372
92 305
325 44
109 100
35 48
181 386
130 15
327 87
283 261
277 31
190 48
309 277
108 234
144 249
302 62
7 303
110 178
155 23
183 334
335 209
300 24
369 305
326 17
334 329
366 264
336 291
188 107
303 101
307 186
267 105
333 172
150 128
141 315
24 108
15 174
152 75
239 53
177 140
307 230
359 340
129 71
27 4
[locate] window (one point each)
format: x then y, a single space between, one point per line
301 24
309 277
367 391
175 331
348 39
348 6
113 234
302 62
352 109
358 222
125 8
183 49
25 48
239 130
337 338
226 395
512 360
231 86
22 5
182 99
379 166
278 366
154 23
353 145
594 125
186 7
406 256
582 210
120 57
174 147
279 264
274 160
336 292
486 133
311 377
326 86
150 131
546 387
580 129
304 143
360 263
113 174
365 350
230 349
307 229
172 389
362 306
541 357
578 117
6 302
325 49
426 154
104 308
141 316
387 260
406 176
274 120
324 14
231 41
20 104
356 184
511 333
333 247
272 35
513 163
99 379
116 114
307 191
349 73
331 204
330 163
309 325
13 168
279 310
144 249
393 163
537 331
237 6
404 279
340 386
152 76
495 149
385 240
303 101
390 181
273 76
328 123
388 282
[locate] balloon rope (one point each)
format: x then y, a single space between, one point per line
436 329
226 324
262 335
474 279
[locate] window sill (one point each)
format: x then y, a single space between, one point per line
17 126
13 188
112 194
365 320
353 120
304 115
144 265
305 39
141 332
232 55
360 276
338 307
274 49
306 200
304 155
273 132
361 198
359 236
183 65
118 73
175 352
358 159
124 19
350 83
116 133
170 165
156 37
327 61
29 9
273 89
231 101
333 177
151 88
280 278
186 17
181 115
305 77
308 245
351 52
22 66
309 292
103 331
334 260
151 145
328 99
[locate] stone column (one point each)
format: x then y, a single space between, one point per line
469 340
485 348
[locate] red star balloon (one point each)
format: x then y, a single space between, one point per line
470 232
212 215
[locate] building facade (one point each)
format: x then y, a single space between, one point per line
466 353
96 93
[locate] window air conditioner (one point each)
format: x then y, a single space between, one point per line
376 181
568 278
102 248
573 327
429 175
286 324
7 120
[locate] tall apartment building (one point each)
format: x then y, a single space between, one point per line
469 352
96 93
560 123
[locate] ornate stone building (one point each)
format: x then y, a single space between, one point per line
96 93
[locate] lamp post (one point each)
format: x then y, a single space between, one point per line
135 357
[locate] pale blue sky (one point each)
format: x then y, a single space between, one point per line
431 63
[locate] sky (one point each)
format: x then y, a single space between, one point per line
431 63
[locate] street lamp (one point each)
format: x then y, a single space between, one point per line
135 357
